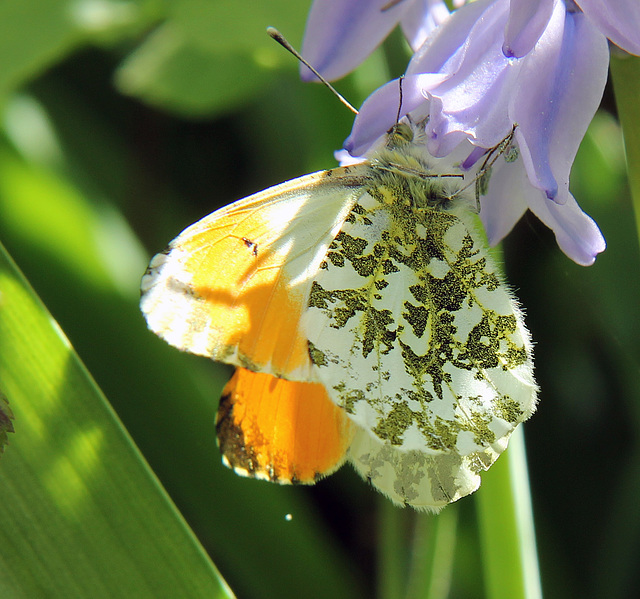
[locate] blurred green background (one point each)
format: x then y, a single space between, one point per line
124 121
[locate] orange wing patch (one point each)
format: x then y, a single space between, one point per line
279 430
247 291
234 285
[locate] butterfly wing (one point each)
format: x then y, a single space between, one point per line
279 430
233 286
411 477
388 301
414 335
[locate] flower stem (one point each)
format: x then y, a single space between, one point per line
507 535
421 568
432 555
392 550
625 72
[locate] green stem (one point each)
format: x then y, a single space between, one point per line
392 549
625 73
507 535
432 555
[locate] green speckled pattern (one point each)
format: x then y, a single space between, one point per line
414 334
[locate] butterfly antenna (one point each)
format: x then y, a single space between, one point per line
400 96
498 150
484 172
276 35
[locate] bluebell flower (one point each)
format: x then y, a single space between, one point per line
340 34
493 63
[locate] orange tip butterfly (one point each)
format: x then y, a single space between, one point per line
366 320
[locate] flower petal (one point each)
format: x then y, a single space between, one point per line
619 20
509 195
447 39
560 85
380 110
473 100
506 201
422 17
527 21
345 159
577 233
340 34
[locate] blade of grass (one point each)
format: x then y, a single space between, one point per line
617 567
422 568
81 514
625 73
507 536
166 400
432 555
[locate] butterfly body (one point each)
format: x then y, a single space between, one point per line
365 287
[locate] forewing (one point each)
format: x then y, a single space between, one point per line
233 286
279 430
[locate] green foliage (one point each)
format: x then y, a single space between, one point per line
190 64
6 416
122 122
81 514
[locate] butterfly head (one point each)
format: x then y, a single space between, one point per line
401 134
404 164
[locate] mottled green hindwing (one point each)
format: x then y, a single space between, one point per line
414 334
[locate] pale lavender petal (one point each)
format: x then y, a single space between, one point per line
576 233
442 137
438 54
510 193
506 202
561 85
340 34
478 106
380 110
346 159
619 20
470 160
422 17
474 99
527 21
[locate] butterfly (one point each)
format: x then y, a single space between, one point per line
366 320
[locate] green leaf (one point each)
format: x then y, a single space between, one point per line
35 34
210 57
170 72
6 416
81 514
225 26
625 71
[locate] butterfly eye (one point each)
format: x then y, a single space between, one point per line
400 134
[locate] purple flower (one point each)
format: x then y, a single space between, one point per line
340 34
619 20
539 63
